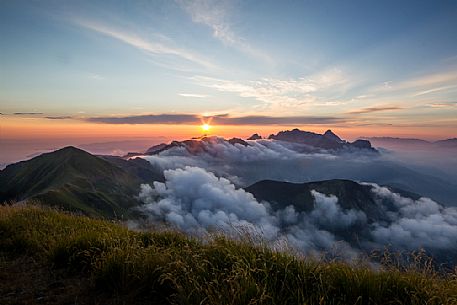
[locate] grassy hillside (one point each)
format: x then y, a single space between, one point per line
77 181
100 262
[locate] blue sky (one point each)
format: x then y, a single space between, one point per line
362 63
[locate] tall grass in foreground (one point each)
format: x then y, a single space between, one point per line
170 267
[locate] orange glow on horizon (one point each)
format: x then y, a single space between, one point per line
39 128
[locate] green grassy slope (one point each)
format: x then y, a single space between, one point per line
167 267
75 180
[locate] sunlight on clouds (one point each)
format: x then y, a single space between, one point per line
277 93
443 105
375 109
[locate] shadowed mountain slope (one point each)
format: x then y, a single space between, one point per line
350 194
328 140
77 181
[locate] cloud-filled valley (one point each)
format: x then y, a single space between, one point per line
206 189
196 201
295 162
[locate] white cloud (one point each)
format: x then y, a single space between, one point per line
421 85
329 214
285 161
214 14
433 90
279 93
416 223
193 95
151 47
193 199
202 192
196 201
96 77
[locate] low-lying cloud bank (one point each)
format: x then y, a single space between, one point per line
292 162
416 223
197 201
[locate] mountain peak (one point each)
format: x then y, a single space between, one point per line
255 136
71 149
234 141
76 180
329 134
328 140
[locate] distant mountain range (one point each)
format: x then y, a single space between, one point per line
193 146
328 140
107 186
313 141
78 181
411 142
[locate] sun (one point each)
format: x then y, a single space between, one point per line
206 127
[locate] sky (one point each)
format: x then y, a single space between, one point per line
88 71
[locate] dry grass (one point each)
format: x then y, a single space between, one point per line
168 267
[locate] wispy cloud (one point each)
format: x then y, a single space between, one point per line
62 117
148 119
193 95
443 105
284 93
433 90
375 109
223 119
28 113
96 77
148 46
431 79
420 85
214 14
271 120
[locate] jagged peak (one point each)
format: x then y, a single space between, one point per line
255 136
329 134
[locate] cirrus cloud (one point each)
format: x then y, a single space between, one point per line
138 42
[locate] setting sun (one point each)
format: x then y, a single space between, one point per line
206 127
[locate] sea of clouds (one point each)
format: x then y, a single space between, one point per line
197 201
291 162
204 193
